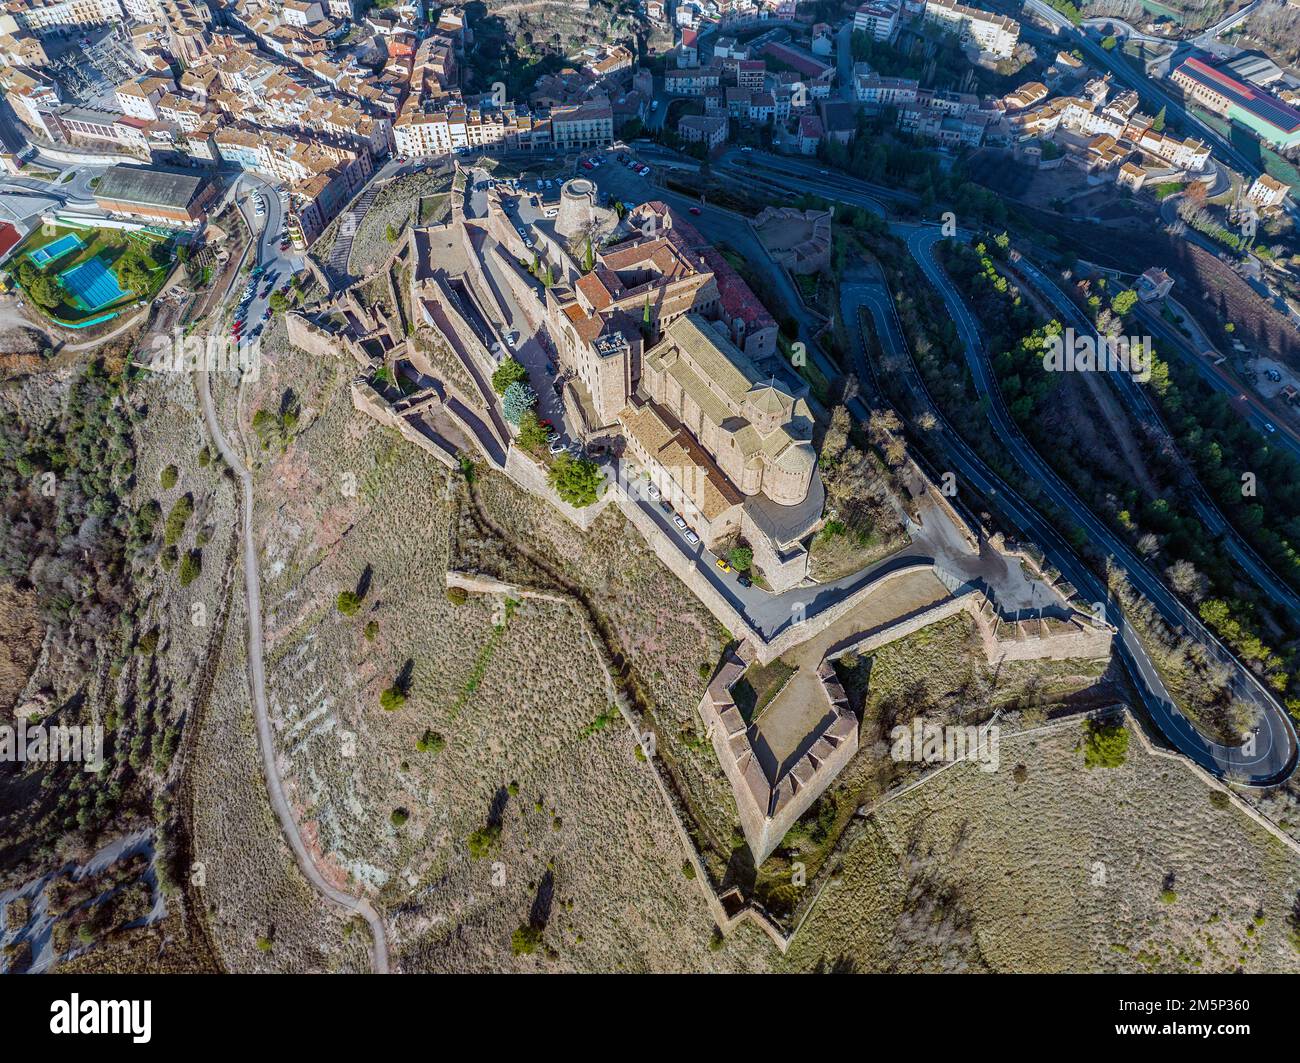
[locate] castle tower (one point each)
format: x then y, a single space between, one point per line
577 207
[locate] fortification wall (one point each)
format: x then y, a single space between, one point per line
366 401
524 471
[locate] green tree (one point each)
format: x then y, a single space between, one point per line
1124 302
508 372
517 400
168 477
525 940
398 817
279 302
348 603
390 234
532 433
576 480
191 566
741 558
1159 124
182 510
392 699
483 841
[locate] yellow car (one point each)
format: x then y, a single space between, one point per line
723 565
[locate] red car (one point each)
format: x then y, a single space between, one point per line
694 210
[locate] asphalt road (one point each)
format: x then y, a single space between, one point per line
1143 410
1274 756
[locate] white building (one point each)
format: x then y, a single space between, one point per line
45 14
1267 192
878 19
994 34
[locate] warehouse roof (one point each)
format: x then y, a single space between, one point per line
149 186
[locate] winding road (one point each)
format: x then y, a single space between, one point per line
257 681
1273 757
1143 410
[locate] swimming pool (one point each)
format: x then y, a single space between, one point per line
43 256
92 284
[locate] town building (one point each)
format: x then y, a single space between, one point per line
1215 88
993 34
154 194
878 19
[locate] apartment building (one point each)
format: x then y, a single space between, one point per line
877 19
994 34
691 80
582 126
64 15
1266 192
709 130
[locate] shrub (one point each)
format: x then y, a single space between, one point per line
716 940
741 558
1219 799
508 372
392 699
348 603
168 477
180 515
264 944
398 817
1105 745
431 742
457 595
148 643
524 941
372 629
688 869
205 458
191 566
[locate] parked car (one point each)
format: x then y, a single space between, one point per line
692 538
1269 426
680 521
651 492
586 165
722 565
694 210
556 446
744 581
644 171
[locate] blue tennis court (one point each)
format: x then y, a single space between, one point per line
92 284
43 256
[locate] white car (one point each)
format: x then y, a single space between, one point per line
680 521
556 446
692 538
521 230
510 341
552 212
652 492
